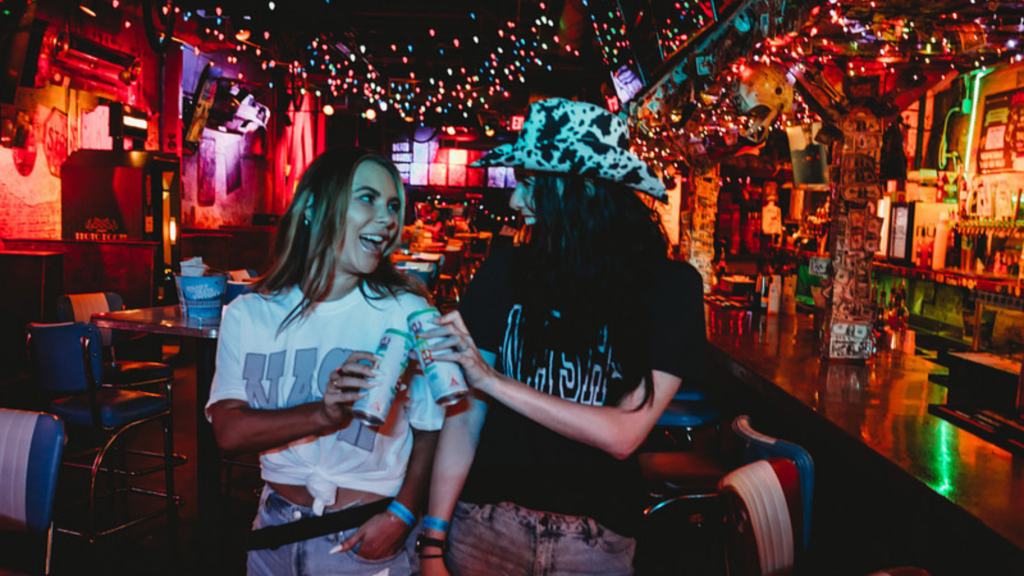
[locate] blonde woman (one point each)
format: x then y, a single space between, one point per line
292 357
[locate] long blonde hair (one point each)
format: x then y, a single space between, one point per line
306 250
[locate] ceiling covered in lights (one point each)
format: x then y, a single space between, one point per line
475 63
839 54
460 62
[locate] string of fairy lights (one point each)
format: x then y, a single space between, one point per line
611 33
852 38
503 214
676 28
455 92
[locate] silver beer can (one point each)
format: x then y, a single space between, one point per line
444 379
390 360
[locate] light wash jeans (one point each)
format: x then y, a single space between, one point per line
310 557
508 540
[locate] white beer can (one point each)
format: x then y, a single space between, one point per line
444 379
390 360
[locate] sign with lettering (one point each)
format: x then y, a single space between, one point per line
55 140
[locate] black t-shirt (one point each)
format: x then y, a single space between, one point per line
521 461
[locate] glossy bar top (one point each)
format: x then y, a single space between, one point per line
883 404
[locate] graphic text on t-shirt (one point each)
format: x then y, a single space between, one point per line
581 378
258 368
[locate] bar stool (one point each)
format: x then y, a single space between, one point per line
764 518
685 488
764 521
66 362
31 444
689 411
80 308
758 446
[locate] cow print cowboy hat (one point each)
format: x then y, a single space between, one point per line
576 138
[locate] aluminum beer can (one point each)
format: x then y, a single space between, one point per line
390 360
444 379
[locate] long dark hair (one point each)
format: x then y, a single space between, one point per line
591 254
306 250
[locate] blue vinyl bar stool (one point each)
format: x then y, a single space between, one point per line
688 411
66 361
80 308
31 445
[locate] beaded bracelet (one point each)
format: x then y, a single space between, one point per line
431 523
403 513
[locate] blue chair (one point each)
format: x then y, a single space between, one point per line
80 308
31 444
688 411
66 361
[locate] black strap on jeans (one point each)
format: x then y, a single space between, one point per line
314 526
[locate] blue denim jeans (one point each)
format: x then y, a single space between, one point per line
310 557
505 539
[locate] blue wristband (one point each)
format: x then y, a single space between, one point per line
431 523
402 512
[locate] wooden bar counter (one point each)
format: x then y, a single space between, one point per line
894 484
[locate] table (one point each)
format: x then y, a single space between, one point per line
203 331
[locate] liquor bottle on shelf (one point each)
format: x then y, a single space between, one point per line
955 247
941 242
927 247
720 266
940 187
734 240
764 287
899 314
880 318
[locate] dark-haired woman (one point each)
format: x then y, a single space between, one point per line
293 357
573 345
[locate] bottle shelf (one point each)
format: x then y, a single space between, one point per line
997 285
978 226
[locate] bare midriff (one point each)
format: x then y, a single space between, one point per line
344 498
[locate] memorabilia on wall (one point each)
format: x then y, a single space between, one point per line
856 232
702 235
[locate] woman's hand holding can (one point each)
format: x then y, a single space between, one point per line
444 377
450 341
346 385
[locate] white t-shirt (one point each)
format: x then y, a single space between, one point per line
271 371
